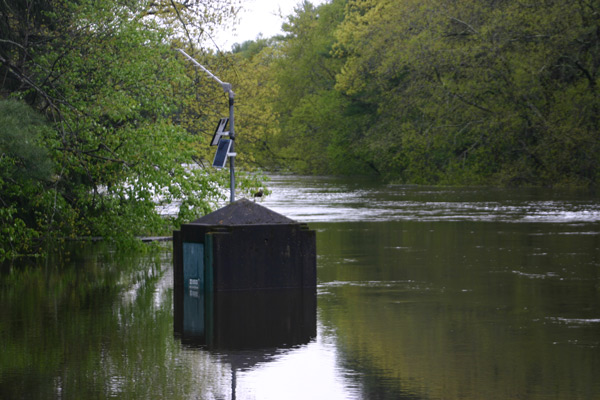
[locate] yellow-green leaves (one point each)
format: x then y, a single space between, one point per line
471 92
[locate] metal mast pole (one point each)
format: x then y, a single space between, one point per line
227 89
232 137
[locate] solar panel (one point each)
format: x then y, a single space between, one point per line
220 131
222 153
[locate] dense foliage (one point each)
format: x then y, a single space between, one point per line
102 121
441 92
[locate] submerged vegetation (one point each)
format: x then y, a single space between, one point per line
101 119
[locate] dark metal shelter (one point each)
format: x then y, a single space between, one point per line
244 246
245 277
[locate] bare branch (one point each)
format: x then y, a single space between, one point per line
465 24
26 80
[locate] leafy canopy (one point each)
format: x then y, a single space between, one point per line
106 149
441 92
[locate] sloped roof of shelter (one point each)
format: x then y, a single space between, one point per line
243 212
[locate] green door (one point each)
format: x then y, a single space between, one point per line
193 266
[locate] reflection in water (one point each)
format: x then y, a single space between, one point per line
464 309
423 293
245 320
451 293
98 326
245 328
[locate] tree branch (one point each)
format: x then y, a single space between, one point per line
465 24
27 81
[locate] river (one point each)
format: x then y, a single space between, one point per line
423 293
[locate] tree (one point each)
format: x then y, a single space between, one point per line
25 174
318 125
107 79
476 92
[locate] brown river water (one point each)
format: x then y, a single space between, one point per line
423 293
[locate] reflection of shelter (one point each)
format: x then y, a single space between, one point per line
245 328
246 320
